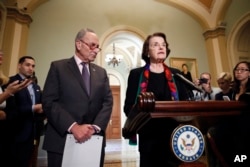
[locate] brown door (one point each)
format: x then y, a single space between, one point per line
114 127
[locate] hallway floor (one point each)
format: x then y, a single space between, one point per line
120 154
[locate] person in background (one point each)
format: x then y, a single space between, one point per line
225 84
7 114
156 77
208 91
224 81
241 92
241 85
233 132
39 131
28 109
186 73
70 105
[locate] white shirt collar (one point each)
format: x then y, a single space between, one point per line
79 63
78 60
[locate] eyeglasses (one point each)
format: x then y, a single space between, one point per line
92 46
154 45
240 70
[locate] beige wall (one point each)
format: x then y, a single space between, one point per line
56 23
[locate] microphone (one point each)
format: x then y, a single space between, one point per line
189 82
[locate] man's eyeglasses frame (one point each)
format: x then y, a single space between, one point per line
91 46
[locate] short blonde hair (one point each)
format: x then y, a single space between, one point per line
225 76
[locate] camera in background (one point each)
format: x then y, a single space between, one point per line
203 80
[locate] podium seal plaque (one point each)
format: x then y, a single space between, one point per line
187 143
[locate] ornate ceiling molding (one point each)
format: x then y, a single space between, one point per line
209 13
25 6
207 3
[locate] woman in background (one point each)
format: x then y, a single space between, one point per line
241 90
241 81
225 84
231 134
185 72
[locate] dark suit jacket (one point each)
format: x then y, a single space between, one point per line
7 129
25 119
66 101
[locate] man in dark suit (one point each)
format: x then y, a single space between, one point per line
29 110
69 105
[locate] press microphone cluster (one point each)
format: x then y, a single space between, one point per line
188 82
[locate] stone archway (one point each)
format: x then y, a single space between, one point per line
238 41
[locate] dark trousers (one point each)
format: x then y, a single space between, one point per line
6 152
54 159
33 160
22 153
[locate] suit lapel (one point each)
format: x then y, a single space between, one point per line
26 91
94 76
92 72
37 93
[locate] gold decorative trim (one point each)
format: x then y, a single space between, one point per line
218 31
15 14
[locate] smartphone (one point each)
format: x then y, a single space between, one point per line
29 77
226 98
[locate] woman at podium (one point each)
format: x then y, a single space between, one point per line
156 77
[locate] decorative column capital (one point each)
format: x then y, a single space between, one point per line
214 33
15 14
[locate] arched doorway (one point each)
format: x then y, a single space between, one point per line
126 42
238 41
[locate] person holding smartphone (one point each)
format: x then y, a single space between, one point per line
7 113
29 111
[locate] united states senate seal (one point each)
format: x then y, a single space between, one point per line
187 143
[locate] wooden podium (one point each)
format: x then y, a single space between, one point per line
148 108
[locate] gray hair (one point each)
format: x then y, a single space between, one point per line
82 32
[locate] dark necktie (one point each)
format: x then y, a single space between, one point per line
208 95
86 77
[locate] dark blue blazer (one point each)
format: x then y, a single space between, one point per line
26 119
